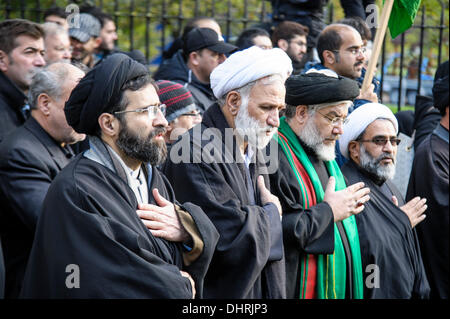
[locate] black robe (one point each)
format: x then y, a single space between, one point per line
389 246
248 261
305 231
430 179
89 221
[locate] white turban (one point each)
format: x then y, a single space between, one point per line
361 118
249 65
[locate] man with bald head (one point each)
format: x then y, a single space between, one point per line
342 51
30 158
57 43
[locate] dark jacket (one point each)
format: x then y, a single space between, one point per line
29 161
12 100
175 69
248 261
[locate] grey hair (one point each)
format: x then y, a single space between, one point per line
48 81
313 108
244 91
51 28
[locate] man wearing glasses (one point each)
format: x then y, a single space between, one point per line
319 230
110 225
391 258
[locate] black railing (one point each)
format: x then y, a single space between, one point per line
151 25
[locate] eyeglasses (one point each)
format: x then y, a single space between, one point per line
335 120
151 109
381 141
355 51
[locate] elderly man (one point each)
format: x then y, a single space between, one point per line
221 172
57 43
123 230
203 50
21 57
30 158
389 247
319 230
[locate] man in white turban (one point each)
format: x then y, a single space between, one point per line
229 179
386 230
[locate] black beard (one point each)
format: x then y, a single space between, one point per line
143 150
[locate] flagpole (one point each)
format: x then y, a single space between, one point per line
378 43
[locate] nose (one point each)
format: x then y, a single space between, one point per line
160 120
273 119
67 54
388 147
39 60
339 129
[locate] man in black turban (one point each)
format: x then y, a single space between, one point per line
321 244
110 225
430 179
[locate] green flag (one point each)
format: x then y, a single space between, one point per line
402 16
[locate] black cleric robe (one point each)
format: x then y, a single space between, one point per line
90 243
248 261
430 179
390 252
305 231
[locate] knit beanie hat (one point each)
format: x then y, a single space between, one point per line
176 97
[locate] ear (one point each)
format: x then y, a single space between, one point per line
193 58
329 57
301 113
97 42
109 125
353 151
233 102
283 44
4 61
43 103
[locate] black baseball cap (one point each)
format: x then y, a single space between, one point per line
205 38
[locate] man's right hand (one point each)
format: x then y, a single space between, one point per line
346 202
267 196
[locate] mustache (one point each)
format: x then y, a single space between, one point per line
359 63
157 131
385 156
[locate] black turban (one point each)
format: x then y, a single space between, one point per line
441 87
317 88
99 90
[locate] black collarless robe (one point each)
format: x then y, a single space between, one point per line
248 261
388 243
89 220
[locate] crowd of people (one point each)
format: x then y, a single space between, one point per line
253 170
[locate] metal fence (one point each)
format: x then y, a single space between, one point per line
406 67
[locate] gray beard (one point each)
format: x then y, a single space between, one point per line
250 129
310 135
374 166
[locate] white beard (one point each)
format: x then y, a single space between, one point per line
310 135
373 165
250 129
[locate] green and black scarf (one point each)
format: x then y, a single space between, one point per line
322 276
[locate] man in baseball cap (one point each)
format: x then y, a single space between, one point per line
84 38
203 50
